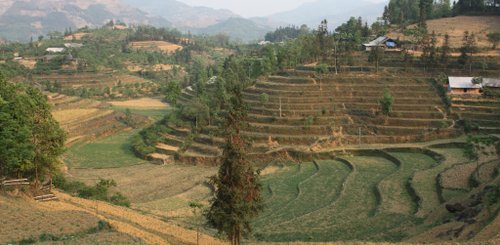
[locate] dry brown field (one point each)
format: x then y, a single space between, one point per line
75 36
156 45
456 26
143 103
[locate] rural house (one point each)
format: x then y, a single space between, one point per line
463 85
382 41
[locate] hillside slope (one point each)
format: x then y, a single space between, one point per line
74 217
237 28
456 26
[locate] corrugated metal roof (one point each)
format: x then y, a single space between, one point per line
377 42
462 82
491 82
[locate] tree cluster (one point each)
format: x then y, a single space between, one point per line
476 7
286 33
30 139
403 12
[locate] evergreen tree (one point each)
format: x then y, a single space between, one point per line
469 47
237 200
445 51
322 37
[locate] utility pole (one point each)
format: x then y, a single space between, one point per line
280 107
359 135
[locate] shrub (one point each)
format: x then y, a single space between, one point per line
99 191
386 102
120 200
29 240
48 237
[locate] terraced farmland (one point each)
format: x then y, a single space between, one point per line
85 119
384 196
481 112
312 114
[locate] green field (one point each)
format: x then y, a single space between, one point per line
111 152
156 114
377 199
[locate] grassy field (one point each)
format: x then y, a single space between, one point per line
379 199
111 152
394 192
342 207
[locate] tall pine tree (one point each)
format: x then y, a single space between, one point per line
237 200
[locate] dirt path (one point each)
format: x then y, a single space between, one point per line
150 229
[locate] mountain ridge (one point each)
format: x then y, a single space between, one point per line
22 19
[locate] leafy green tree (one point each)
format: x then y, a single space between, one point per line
376 55
30 139
172 91
386 102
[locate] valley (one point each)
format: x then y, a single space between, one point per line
379 131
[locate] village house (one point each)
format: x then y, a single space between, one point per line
462 86
55 50
382 42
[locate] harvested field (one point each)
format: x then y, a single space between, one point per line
76 36
156 46
85 119
143 103
23 218
28 63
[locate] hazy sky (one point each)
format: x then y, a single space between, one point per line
251 8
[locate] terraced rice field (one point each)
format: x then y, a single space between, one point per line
308 113
91 80
85 119
383 197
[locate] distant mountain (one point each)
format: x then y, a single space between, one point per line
335 11
182 15
22 19
238 28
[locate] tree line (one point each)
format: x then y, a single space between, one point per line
404 12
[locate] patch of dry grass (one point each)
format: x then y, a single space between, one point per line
156 45
144 103
456 26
